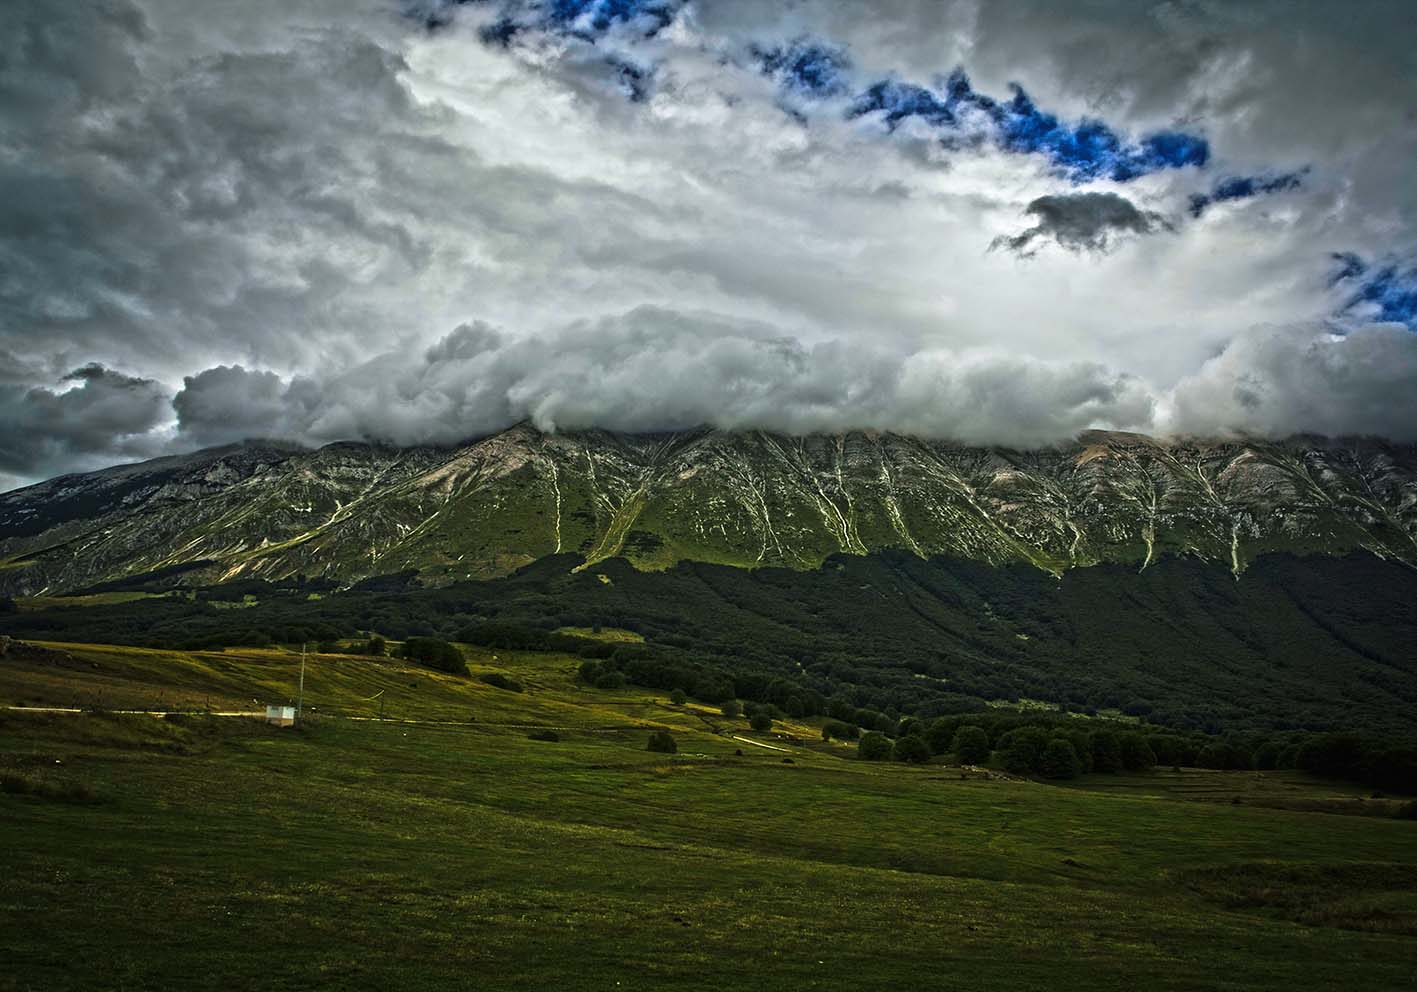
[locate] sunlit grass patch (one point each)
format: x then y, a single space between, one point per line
615 635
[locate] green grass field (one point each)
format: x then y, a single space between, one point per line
441 848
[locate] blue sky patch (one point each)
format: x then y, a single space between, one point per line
806 67
1084 151
1383 293
585 19
896 102
1245 187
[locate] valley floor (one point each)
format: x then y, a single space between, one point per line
439 848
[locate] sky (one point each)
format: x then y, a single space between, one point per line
422 221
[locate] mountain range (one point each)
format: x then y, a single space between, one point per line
350 511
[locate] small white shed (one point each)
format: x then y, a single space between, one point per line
280 716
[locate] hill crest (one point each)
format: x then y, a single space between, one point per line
349 511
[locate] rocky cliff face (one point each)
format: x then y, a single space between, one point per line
349 511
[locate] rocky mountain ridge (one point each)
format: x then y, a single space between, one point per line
349 511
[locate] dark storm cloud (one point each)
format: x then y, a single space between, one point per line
300 196
1081 222
93 415
216 196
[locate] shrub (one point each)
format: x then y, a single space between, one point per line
911 748
500 681
761 722
1059 759
874 746
678 697
731 709
662 742
971 745
549 736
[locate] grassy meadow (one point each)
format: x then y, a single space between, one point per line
439 847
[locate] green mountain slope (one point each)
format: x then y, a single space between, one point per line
350 511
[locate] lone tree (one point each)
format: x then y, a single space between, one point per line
678 697
761 722
662 742
874 746
731 709
971 745
911 748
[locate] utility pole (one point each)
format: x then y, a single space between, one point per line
300 699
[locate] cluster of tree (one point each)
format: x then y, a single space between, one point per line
435 653
518 637
1064 747
1385 764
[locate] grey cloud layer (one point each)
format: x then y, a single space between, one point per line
1271 379
317 191
654 369
98 415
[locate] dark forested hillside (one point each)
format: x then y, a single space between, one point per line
1295 643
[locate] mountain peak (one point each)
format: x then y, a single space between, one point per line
351 510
